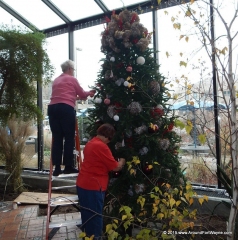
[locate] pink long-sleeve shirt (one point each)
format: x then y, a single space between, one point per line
65 89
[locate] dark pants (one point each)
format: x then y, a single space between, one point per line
91 207
62 124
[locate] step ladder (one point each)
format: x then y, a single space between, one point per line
55 203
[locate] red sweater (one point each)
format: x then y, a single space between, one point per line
65 89
98 162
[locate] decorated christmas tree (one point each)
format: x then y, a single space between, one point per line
131 95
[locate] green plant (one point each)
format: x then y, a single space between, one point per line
23 64
12 145
170 213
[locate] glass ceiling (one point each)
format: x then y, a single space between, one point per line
39 15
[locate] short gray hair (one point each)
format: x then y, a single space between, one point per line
66 65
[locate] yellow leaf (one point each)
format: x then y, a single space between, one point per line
188 13
160 215
181 36
186 39
205 197
132 171
159 1
115 220
188 92
191 201
166 13
175 97
192 1
182 63
177 26
201 200
202 138
172 202
172 19
82 235
191 224
179 124
223 51
181 54
150 166
167 54
108 227
178 203
188 129
155 209
124 217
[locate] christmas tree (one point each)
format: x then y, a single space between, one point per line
132 95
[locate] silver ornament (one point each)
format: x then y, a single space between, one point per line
164 143
134 108
141 129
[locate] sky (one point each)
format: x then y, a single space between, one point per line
89 40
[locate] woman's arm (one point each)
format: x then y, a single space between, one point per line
121 164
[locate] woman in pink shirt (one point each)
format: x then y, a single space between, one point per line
93 179
65 91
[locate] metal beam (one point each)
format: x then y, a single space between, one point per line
102 6
18 16
141 8
57 11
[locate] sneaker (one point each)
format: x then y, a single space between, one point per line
57 172
69 170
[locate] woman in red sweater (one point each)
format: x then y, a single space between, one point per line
93 179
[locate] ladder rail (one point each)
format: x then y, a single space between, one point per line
77 144
49 195
51 178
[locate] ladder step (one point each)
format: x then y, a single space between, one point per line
64 201
63 187
65 223
62 204
65 176
65 198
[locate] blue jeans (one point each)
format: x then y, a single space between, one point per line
62 124
91 206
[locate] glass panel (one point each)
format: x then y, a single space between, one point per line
57 50
35 12
78 9
192 83
8 19
115 4
87 58
146 20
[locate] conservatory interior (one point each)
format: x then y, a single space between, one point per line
73 30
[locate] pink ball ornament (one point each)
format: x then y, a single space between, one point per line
129 69
107 101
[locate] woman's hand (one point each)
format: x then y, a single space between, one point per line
121 164
92 92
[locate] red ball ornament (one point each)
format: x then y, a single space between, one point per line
129 69
146 169
157 112
107 101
